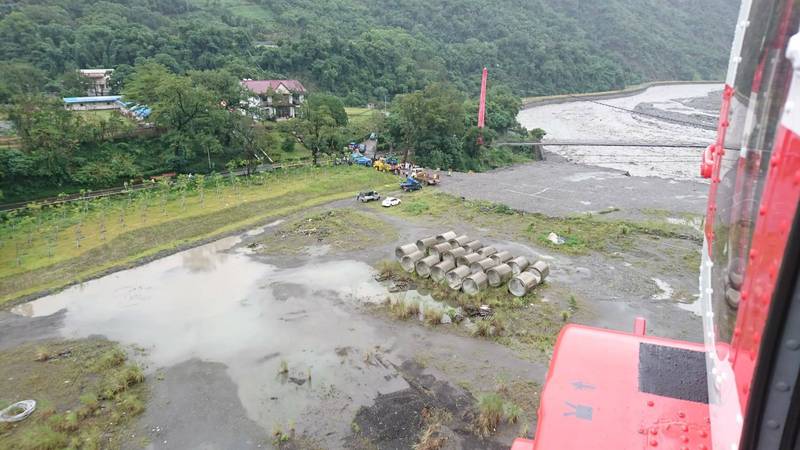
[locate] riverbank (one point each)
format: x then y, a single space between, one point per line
529 102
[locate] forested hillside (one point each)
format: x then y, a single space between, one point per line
365 49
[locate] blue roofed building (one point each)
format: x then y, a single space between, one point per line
92 103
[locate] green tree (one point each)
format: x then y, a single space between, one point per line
334 105
431 123
318 129
192 114
251 142
72 84
19 78
50 134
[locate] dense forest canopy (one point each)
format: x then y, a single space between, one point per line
365 50
185 59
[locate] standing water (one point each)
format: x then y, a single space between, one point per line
216 303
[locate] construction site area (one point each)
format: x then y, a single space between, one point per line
352 323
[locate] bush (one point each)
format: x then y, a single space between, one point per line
490 411
432 315
511 412
287 146
497 157
121 380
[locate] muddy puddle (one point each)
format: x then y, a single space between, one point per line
215 303
295 340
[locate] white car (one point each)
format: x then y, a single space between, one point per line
390 201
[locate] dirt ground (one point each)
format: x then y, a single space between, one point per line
217 324
558 188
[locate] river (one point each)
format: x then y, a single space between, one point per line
679 113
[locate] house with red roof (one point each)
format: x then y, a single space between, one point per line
278 99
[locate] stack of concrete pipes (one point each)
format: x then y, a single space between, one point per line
468 265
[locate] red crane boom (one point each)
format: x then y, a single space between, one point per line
482 105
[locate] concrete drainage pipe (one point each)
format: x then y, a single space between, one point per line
487 251
453 254
499 275
407 262
468 259
473 246
459 241
501 257
474 283
424 243
446 236
404 250
521 284
542 267
424 265
482 265
439 249
456 276
519 264
439 271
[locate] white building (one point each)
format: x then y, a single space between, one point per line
280 99
100 79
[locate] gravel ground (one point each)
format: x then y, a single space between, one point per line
558 188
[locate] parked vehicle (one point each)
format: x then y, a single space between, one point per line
429 179
391 201
368 196
363 161
410 184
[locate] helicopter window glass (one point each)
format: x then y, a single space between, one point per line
761 85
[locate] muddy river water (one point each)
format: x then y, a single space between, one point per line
682 113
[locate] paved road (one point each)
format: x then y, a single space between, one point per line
559 188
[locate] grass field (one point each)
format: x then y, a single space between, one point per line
359 115
86 394
47 249
581 234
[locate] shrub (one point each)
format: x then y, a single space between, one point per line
511 412
42 437
490 411
131 404
111 358
432 316
288 144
